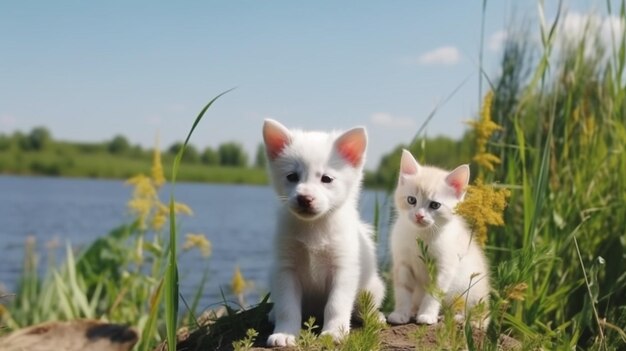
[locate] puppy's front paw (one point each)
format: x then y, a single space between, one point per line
426 319
398 317
337 335
281 339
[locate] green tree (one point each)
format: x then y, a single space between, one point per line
5 142
210 157
232 154
191 153
119 145
260 159
38 139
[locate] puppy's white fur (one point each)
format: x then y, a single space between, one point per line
324 254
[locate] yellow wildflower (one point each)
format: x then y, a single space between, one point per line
182 208
141 208
238 284
198 241
483 206
160 217
157 168
516 292
145 202
458 303
143 187
484 127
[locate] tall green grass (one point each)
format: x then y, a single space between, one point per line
562 148
171 273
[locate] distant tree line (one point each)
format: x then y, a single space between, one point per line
52 157
39 139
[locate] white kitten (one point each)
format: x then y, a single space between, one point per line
425 200
324 254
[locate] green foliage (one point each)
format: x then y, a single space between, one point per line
559 282
171 272
246 343
104 281
260 160
563 155
210 157
232 154
98 161
38 139
191 154
119 145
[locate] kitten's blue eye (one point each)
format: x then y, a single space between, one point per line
326 179
411 200
434 205
293 177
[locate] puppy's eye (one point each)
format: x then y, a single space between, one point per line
293 177
326 179
411 200
434 205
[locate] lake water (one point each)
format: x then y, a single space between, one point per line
239 221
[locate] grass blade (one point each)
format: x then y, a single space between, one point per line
171 273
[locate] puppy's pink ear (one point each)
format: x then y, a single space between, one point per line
408 164
276 137
351 146
458 180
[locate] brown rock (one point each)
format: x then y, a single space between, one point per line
71 336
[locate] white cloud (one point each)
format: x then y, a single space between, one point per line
445 55
576 25
386 120
497 40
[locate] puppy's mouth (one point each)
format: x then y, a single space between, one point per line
305 212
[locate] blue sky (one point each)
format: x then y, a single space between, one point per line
91 70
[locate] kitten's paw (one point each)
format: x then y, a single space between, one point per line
337 335
281 339
426 319
397 317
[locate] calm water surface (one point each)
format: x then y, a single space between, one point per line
239 221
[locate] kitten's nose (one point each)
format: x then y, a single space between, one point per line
419 216
304 201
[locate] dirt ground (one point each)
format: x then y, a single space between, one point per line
402 338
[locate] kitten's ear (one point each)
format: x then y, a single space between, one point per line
458 180
351 146
408 164
276 137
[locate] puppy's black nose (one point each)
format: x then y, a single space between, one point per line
304 201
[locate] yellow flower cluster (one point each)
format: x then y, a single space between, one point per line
157 168
484 127
483 206
516 292
198 241
144 198
145 202
238 284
